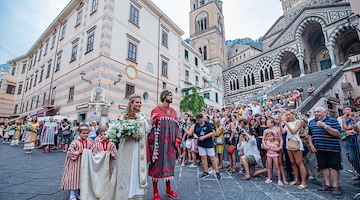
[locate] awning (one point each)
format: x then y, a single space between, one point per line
43 111
207 80
15 119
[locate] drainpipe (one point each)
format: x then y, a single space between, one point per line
53 68
158 70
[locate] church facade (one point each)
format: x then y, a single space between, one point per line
312 35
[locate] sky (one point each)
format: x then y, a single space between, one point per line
23 21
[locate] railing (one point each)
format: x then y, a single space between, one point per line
309 102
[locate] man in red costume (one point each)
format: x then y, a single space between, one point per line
164 140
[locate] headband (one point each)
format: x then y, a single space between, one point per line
164 94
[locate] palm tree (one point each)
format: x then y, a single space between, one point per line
193 101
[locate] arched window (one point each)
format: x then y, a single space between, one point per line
252 79
237 84
266 74
245 82
231 86
249 80
271 73
205 53
266 70
202 21
200 51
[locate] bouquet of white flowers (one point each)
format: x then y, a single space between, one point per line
122 129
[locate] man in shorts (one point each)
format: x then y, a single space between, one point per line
324 134
204 132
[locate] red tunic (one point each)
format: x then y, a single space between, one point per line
161 141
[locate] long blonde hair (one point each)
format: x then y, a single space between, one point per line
129 111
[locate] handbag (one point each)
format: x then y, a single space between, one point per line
231 149
220 141
293 145
188 143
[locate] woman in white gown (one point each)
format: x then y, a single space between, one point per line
130 176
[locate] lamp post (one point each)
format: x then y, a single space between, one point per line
82 74
119 78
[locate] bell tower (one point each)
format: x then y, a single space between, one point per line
207 35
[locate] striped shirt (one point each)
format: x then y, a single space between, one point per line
323 140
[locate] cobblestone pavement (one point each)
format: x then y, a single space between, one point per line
37 176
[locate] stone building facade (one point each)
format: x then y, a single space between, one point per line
312 35
207 36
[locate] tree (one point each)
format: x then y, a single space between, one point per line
192 101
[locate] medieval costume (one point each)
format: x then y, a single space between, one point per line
163 140
30 136
71 174
129 178
48 134
16 136
105 146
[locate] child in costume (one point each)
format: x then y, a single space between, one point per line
103 144
16 136
71 175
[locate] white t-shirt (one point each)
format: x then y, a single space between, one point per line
250 148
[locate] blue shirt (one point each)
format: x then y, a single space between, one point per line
204 130
323 140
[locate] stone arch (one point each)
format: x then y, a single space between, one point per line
202 21
337 31
310 41
233 81
345 42
249 75
265 69
301 27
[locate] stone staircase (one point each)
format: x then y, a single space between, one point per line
322 82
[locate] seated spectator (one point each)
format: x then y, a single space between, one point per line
249 155
310 90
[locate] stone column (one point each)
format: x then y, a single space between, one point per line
308 63
301 64
331 54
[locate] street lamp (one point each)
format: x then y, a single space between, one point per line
119 78
353 19
82 74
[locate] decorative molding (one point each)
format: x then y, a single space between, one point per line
75 41
136 3
91 29
132 38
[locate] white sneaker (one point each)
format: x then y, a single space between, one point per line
211 171
311 178
3 142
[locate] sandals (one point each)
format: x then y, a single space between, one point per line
294 183
325 188
301 187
